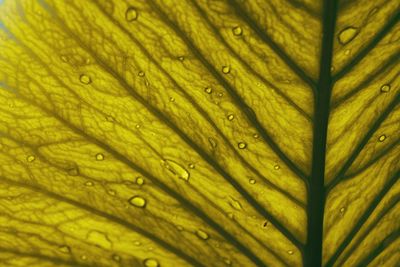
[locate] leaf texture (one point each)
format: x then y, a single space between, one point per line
199 133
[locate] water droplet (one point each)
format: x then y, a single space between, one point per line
137 243
141 74
235 204
290 252
151 263
181 58
212 142
226 69
237 31
171 99
137 201
176 169
191 166
208 90
347 34
256 136
73 171
382 138
83 257
131 14
277 167
265 224
385 88
231 215
137 126
30 158
116 257
252 181
342 210
242 145
332 69
64 249
203 235
220 94
347 52
230 117
89 183
85 79
139 180
99 157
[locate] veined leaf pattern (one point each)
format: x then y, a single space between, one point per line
199 133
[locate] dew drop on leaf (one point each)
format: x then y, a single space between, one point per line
235 204
203 235
117 258
137 201
137 243
385 88
141 74
89 183
176 169
277 167
290 252
171 99
181 58
347 52
237 31
191 166
73 171
242 145
342 210
212 142
347 34
99 157
226 69
83 257
151 263
30 158
131 14
256 136
111 192
139 180
265 224
85 79
252 181
64 249
208 90
382 138
230 117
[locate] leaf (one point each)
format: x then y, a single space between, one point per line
199 133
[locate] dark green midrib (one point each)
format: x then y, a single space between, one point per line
316 191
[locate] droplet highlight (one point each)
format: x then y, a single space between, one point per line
137 201
237 31
385 88
191 166
141 74
242 145
139 181
131 14
208 90
347 35
99 157
212 142
277 167
252 181
30 158
230 117
89 183
226 69
151 263
382 138
85 79
64 249
290 252
202 235
176 169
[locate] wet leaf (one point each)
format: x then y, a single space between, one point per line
199 133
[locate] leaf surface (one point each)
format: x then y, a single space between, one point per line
199 133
